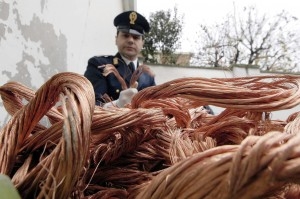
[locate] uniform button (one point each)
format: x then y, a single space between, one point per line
117 90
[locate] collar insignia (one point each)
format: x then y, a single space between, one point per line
115 61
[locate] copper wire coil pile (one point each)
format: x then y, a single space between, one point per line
163 145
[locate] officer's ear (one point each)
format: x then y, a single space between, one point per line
116 37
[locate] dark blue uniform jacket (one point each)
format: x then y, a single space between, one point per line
109 84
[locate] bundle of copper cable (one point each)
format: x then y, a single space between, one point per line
47 162
163 145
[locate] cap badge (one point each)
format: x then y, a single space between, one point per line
132 17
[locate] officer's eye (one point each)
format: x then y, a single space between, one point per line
135 37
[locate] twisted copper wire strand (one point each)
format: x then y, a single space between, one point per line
109 68
263 93
120 131
137 73
254 169
15 96
56 173
146 138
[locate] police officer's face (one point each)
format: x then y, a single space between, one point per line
129 45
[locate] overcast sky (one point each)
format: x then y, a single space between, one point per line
197 12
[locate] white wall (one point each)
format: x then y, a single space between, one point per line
41 38
46 37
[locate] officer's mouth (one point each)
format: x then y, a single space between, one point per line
130 49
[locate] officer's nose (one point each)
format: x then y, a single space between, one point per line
130 38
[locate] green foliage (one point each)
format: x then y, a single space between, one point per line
163 38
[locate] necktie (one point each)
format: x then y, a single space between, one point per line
131 66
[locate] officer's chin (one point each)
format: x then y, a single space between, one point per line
130 52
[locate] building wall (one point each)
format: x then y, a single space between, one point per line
41 38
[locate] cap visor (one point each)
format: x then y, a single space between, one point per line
131 31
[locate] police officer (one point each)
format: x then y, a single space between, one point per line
131 26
